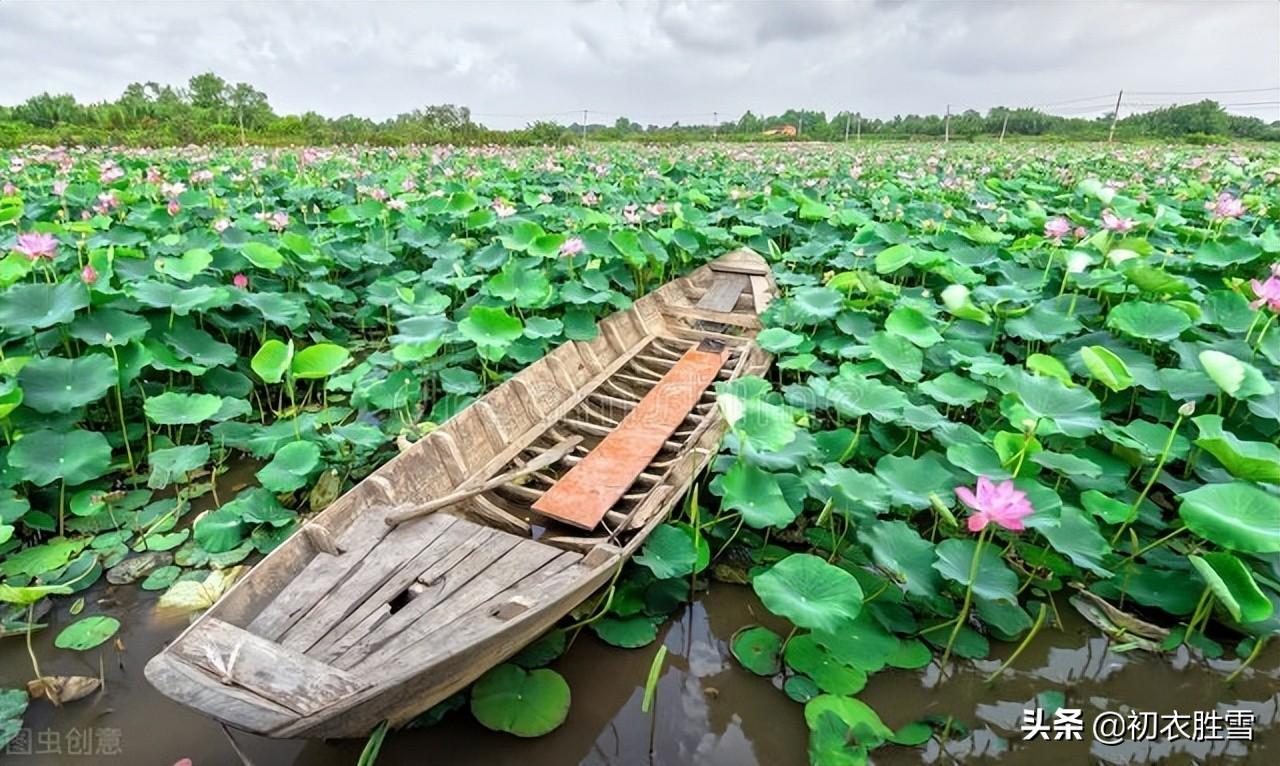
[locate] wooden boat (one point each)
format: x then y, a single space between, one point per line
478 538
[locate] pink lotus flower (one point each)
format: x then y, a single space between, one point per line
631 215
1056 228
544 198
107 202
1226 206
89 275
154 176
221 225
502 209
1081 232
9 189
240 281
1268 293
590 199
1000 503
379 194
408 185
1113 222
396 204
59 188
173 207
571 247
202 176
657 209
109 173
173 189
35 245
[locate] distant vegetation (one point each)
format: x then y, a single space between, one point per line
210 110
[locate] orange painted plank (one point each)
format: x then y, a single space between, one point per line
582 496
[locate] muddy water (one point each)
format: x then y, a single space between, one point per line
708 710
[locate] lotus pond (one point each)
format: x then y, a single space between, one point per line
1024 404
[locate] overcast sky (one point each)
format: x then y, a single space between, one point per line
514 62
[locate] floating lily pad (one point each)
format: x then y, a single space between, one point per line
810 592
87 633
526 703
757 648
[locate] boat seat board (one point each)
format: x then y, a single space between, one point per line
588 490
236 657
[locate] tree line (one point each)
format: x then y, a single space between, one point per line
211 110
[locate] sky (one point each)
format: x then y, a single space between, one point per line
658 62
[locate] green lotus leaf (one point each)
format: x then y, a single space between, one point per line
45 456
758 649
319 361
54 384
1234 586
815 304
262 255
186 267
272 360
669 552
626 632
757 494
762 425
855 714
173 408
85 634
28 306
809 592
173 464
291 467
1149 321
804 655
993 581
487 326
913 325
1237 516
108 327
898 354
1069 411
1106 368
1236 378
952 389
526 703
219 530
855 397
1250 460
906 556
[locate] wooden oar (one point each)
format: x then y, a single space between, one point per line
471 488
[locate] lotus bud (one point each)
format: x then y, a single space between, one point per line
954 297
1029 424
107 337
1187 409
942 510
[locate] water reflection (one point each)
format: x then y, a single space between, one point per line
708 710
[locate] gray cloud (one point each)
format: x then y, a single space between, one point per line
513 62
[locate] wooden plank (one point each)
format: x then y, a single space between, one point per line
321 575
583 495
747 321
410 644
723 293
760 293
444 552
480 575
396 550
291 679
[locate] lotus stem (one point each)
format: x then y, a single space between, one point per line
124 431
1258 643
1026 641
1155 474
31 621
968 596
1157 543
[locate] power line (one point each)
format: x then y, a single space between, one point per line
1201 92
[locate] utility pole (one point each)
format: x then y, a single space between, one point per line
1115 117
1004 125
947 128
847 118
584 126
715 121
859 127
800 130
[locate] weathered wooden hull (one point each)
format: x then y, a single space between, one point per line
354 621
